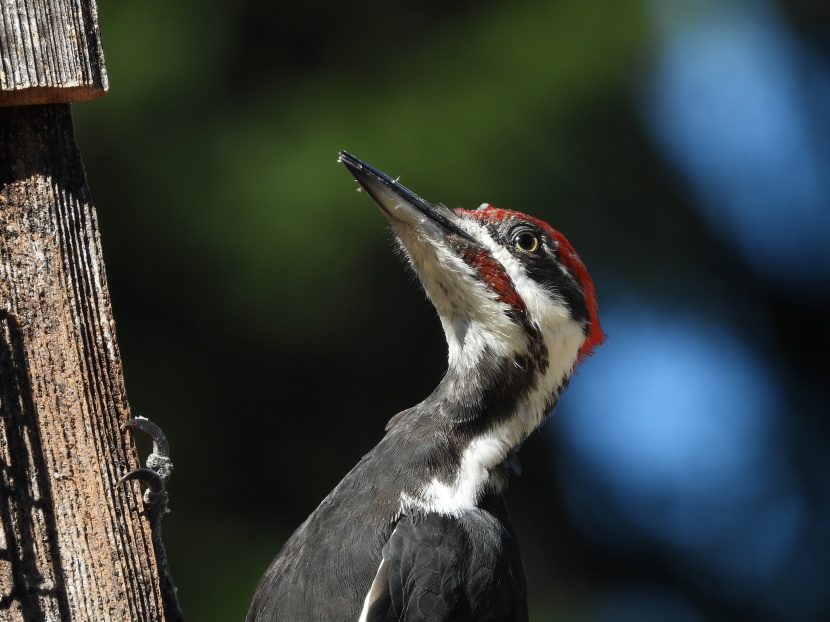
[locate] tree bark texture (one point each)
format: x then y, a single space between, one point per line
73 545
51 52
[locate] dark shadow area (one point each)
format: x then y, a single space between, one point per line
26 506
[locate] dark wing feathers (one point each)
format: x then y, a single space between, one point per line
422 575
450 569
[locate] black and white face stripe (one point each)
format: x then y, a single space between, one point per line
543 264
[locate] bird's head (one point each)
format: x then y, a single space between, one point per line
512 293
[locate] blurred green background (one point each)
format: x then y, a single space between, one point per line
267 326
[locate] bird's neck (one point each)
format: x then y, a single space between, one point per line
490 399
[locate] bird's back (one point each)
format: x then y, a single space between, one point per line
327 567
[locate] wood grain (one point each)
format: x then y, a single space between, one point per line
73 546
50 52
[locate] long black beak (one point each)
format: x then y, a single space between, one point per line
394 199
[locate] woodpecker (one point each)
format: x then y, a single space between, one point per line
419 529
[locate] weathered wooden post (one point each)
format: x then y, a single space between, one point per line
73 546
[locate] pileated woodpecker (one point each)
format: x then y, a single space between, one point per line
419 530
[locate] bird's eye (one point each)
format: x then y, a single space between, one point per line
526 241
